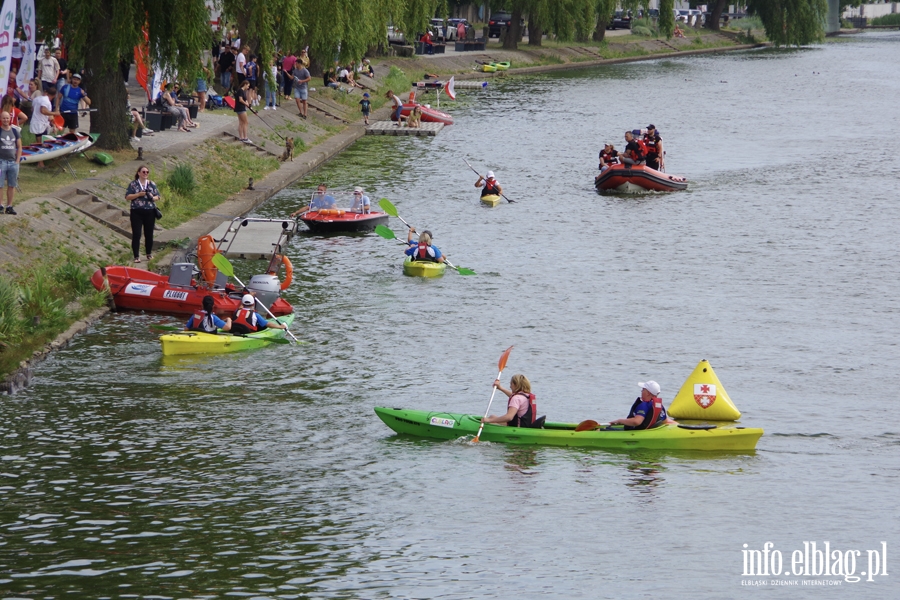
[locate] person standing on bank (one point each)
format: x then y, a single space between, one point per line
10 155
143 195
67 100
241 104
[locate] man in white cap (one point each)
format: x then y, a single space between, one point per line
489 185
361 202
647 411
246 320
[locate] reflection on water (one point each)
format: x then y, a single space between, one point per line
266 474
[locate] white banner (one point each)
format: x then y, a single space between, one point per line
26 70
7 30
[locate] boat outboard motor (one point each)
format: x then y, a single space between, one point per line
267 288
180 274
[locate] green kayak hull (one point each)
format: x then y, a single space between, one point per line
423 268
451 426
195 342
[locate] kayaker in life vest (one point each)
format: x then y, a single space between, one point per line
422 249
653 143
633 154
206 320
490 185
521 408
246 320
647 411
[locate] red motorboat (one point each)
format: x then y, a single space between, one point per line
138 289
638 178
182 293
334 219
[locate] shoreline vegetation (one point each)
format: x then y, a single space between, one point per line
49 251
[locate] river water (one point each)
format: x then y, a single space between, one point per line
267 475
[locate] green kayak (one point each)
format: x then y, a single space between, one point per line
423 268
451 426
195 342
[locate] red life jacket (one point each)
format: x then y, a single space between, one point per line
203 321
656 417
423 254
650 145
244 318
643 145
490 187
526 420
609 158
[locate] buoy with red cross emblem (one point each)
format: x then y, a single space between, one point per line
702 397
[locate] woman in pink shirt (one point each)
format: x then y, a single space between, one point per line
521 409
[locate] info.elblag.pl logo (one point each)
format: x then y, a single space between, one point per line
813 561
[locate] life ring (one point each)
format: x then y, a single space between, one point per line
288 270
206 249
336 212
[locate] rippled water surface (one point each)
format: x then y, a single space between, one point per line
123 475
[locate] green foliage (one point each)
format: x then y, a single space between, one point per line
791 22
181 179
10 314
666 22
75 276
893 19
642 30
396 80
178 29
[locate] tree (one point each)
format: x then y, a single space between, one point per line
537 15
791 22
714 15
605 11
666 21
100 33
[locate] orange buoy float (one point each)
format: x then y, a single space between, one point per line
281 259
206 249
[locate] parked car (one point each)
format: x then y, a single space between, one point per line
498 20
394 35
682 15
437 30
621 20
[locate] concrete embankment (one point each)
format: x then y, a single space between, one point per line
89 217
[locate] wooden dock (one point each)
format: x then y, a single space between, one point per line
389 128
256 240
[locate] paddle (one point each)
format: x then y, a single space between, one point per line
590 425
388 234
388 207
224 265
502 364
482 176
267 124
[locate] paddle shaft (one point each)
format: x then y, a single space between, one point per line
494 391
482 176
269 312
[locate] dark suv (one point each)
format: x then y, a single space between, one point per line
498 20
621 20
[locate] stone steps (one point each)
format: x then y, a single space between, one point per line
109 215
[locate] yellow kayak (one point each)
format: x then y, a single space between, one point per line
491 199
488 68
423 268
197 342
